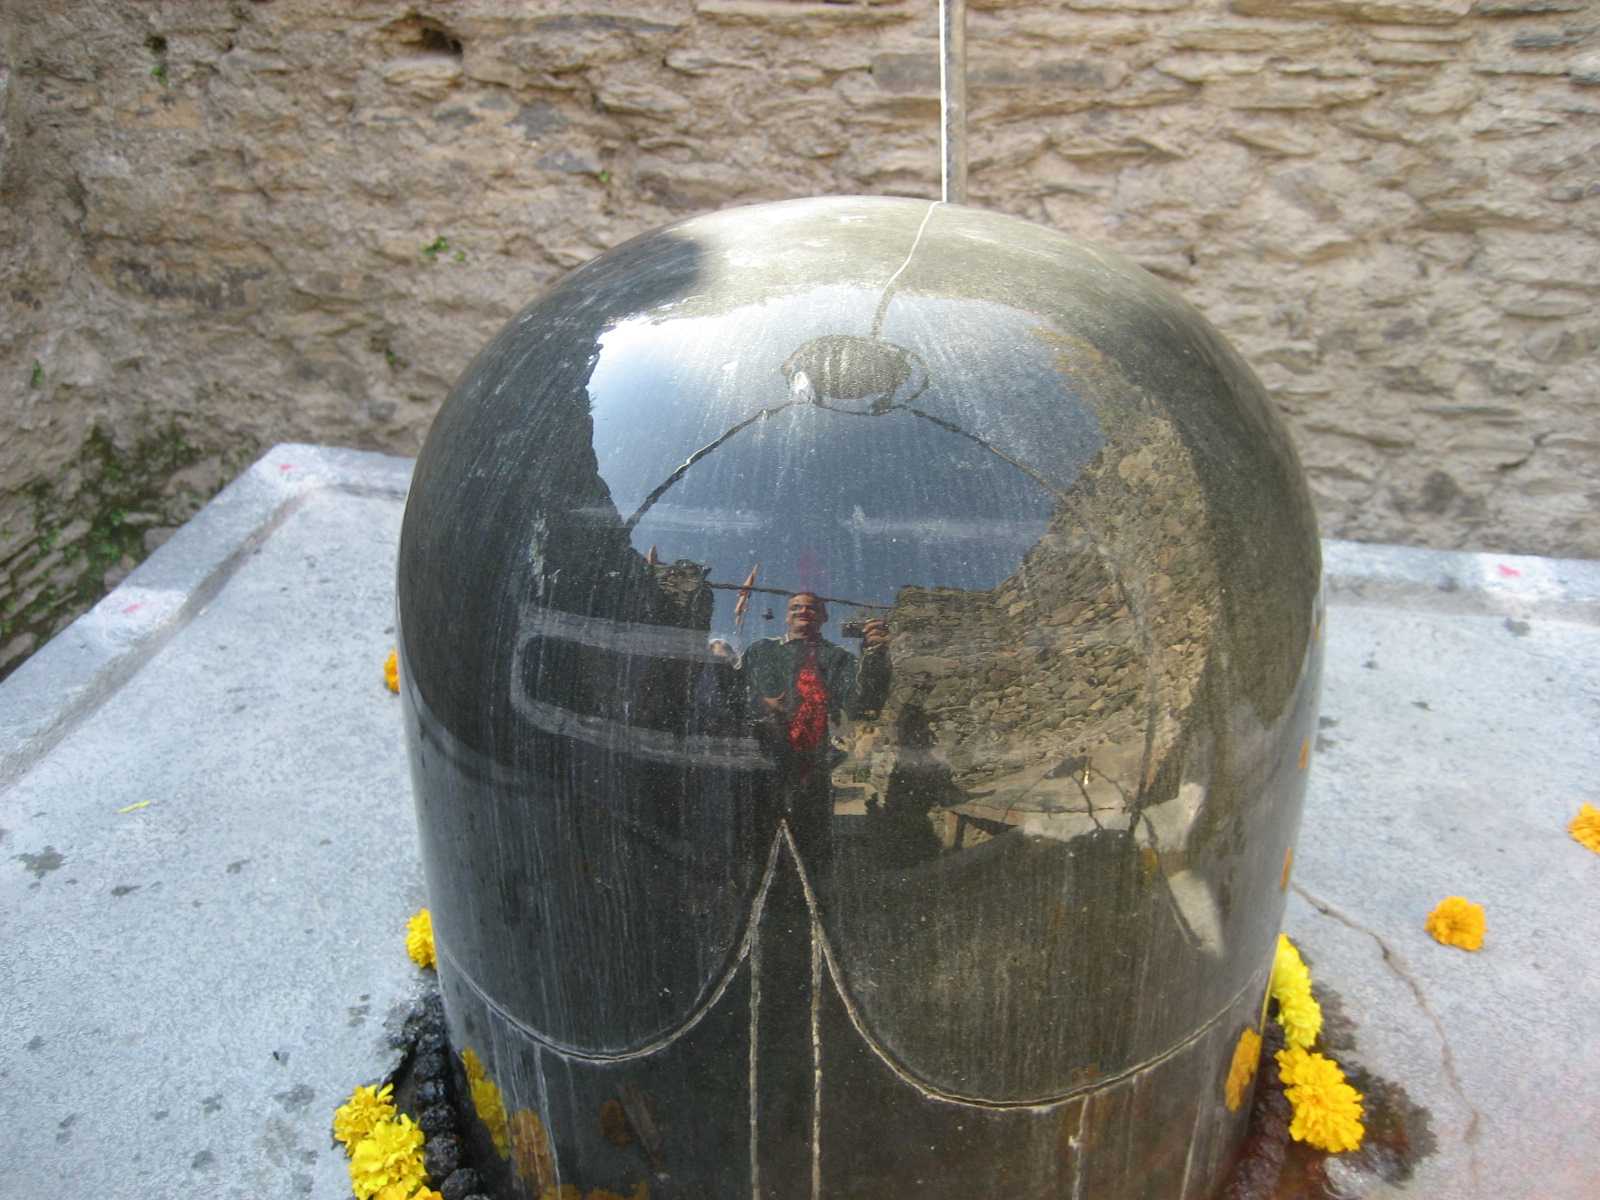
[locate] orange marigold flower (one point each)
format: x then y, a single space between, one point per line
355 1118
389 1157
1585 827
1246 1054
419 939
1457 922
391 670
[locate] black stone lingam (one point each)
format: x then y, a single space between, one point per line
859 657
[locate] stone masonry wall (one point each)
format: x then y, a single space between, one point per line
230 224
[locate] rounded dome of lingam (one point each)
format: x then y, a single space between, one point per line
859 654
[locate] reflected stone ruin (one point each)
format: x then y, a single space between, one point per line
859 658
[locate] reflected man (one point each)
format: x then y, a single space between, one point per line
796 685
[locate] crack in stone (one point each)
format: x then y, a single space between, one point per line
1447 1058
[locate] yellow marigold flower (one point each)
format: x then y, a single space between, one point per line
1246 1054
1329 1120
390 1155
403 1191
1327 1110
1585 827
391 670
1289 974
1298 1067
473 1065
1457 922
419 939
1301 1018
491 1110
354 1119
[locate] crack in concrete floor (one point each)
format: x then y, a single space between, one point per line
1392 960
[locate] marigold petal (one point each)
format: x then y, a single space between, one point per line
1585 827
355 1118
390 1156
391 671
419 939
1289 974
1301 1018
1246 1054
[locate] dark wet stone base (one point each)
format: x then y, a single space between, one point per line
425 1088
1271 1166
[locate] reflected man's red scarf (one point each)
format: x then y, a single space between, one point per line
809 724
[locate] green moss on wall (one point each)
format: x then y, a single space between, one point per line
94 518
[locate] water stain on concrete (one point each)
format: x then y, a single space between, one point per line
41 864
296 1098
357 1014
203 1160
237 865
1518 628
1399 1133
35 1042
64 1128
124 889
211 1104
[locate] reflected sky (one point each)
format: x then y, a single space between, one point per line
839 502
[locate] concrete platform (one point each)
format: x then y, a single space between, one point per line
208 855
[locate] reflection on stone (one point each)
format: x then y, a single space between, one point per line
855 657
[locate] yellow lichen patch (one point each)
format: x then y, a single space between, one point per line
391 671
1246 1054
1457 921
1585 827
419 939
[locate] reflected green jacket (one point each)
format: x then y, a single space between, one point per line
771 665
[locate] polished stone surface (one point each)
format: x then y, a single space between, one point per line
861 658
158 1051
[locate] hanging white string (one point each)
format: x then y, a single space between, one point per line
953 101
